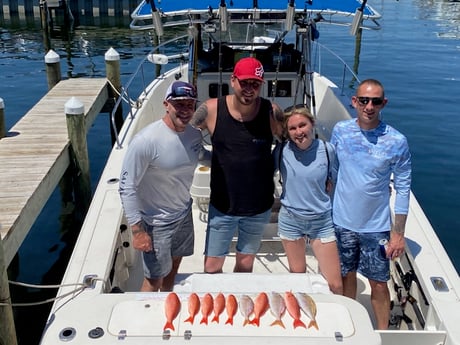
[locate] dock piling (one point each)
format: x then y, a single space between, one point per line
76 128
2 119
53 68
112 70
7 328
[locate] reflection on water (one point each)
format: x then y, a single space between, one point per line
445 12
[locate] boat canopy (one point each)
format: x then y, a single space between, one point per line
173 12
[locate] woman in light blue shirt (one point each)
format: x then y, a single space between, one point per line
305 216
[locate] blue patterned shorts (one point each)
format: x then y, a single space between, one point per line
360 252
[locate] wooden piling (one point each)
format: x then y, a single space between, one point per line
76 128
7 328
2 119
53 68
112 71
44 24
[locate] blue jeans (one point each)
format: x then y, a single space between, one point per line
222 227
360 252
172 240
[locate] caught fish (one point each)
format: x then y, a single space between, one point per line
260 308
231 306
277 308
172 309
293 309
308 306
207 305
219 306
246 308
193 307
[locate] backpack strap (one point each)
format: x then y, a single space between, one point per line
280 157
328 159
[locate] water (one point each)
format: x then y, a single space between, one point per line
415 55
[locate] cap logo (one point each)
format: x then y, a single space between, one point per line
259 72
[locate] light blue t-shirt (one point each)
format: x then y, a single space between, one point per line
157 173
304 174
367 159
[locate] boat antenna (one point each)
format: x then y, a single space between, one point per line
157 23
356 24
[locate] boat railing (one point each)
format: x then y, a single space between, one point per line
346 79
137 81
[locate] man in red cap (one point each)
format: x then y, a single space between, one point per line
242 167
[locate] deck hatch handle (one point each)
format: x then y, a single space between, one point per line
122 334
166 334
338 336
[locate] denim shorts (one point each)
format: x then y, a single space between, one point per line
360 252
292 227
171 240
222 227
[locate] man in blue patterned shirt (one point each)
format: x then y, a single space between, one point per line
369 154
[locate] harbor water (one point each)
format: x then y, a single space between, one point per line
416 55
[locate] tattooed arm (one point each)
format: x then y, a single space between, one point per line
205 116
200 116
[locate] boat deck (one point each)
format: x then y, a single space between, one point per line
34 156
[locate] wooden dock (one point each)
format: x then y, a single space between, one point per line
34 156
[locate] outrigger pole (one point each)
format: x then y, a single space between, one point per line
157 23
223 17
357 20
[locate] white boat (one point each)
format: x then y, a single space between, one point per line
99 301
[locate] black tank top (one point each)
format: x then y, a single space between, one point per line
242 164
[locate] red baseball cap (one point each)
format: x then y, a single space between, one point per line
249 68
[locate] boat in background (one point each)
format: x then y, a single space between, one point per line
99 300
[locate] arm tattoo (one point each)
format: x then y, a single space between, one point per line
199 118
400 223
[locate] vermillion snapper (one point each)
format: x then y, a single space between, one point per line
231 306
260 308
308 306
207 305
219 306
172 309
277 308
246 308
293 309
193 307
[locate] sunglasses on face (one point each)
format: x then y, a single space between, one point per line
366 100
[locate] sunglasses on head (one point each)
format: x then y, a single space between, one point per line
366 100
183 91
